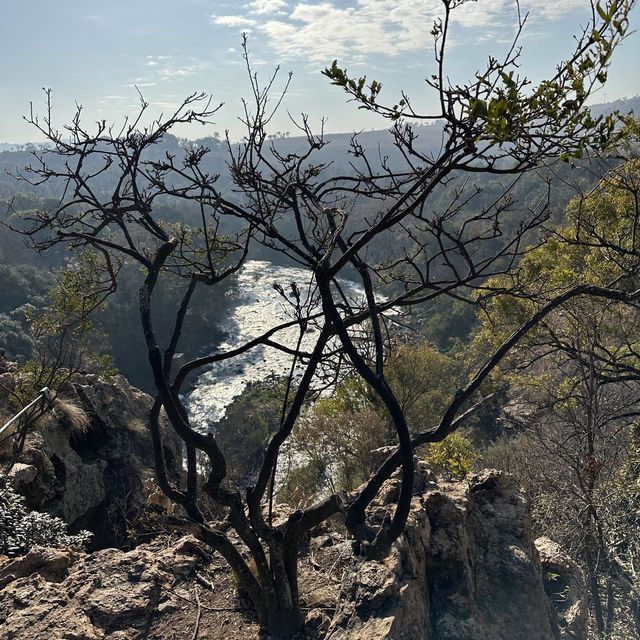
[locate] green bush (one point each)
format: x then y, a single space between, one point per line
454 457
21 529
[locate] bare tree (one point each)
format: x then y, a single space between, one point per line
329 224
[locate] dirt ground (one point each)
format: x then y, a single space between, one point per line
207 606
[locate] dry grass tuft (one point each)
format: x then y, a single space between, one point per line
137 425
73 415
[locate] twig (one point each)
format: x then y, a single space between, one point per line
212 609
201 580
198 616
333 566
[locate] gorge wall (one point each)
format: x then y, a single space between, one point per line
467 568
91 475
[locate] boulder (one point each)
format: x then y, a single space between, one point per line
87 460
466 568
50 564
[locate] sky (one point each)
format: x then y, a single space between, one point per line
100 54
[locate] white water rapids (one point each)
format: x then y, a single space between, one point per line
256 307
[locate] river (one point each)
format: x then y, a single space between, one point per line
256 307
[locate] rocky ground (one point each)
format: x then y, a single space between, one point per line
466 569
168 589
150 592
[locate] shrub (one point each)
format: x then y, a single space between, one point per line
21 529
453 457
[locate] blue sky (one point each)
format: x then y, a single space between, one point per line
96 53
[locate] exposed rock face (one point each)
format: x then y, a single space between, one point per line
93 478
389 599
565 586
107 595
50 564
466 569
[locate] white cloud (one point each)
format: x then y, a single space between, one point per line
153 61
267 6
233 21
163 67
552 9
164 104
180 72
323 30
484 14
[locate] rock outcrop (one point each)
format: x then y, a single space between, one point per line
467 568
54 593
92 475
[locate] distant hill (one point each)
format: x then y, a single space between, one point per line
624 105
379 145
430 134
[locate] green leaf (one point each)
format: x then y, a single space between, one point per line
477 108
602 13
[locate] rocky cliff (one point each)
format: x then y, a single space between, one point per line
467 568
86 460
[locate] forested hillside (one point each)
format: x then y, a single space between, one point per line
28 276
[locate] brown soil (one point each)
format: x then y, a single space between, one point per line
206 606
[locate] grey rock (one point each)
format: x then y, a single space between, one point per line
93 477
565 586
109 594
465 569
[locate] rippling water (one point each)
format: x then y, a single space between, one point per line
257 307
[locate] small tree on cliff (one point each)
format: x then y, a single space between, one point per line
291 202
578 374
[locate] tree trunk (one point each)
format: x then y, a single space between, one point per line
594 588
284 623
284 617
611 603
